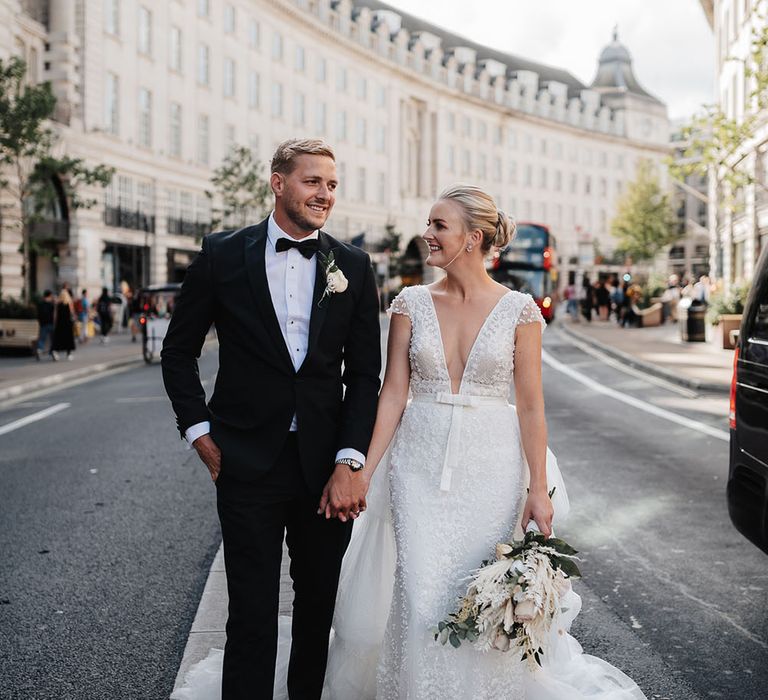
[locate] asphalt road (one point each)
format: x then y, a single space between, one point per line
108 527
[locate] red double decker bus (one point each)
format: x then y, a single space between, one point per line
529 264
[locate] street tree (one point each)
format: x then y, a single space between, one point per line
241 189
716 142
645 221
28 167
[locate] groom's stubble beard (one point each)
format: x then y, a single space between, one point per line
293 210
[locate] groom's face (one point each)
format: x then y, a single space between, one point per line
307 194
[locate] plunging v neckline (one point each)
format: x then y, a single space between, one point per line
474 342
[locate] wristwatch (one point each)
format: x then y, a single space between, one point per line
353 464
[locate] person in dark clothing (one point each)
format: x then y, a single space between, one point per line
587 299
64 326
104 312
45 314
602 300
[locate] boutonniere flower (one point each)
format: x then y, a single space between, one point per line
335 281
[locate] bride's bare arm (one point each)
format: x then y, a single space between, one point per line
529 400
394 392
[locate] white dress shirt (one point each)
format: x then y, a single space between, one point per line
291 280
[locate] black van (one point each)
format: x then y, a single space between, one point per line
748 474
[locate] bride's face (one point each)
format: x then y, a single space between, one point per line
446 233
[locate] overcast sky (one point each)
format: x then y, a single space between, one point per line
670 42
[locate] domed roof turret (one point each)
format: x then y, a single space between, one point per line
614 71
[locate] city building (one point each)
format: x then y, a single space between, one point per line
738 224
160 91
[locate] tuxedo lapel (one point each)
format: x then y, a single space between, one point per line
255 247
319 310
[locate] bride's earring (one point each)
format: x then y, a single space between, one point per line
469 248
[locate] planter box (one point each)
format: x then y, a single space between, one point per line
18 332
728 323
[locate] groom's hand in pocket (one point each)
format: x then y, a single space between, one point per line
344 494
210 454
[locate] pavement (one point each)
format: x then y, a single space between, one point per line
661 352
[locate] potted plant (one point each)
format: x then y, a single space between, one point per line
18 323
725 310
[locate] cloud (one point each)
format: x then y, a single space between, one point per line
670 41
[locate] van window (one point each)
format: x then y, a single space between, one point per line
760 329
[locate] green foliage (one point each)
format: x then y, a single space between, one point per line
13 308
645 221
28 169
239 184
731 302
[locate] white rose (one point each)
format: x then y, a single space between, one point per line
501 642
337 282
502 549
526 610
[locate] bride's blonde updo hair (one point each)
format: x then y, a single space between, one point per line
480 212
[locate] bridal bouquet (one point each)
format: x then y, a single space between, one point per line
510 602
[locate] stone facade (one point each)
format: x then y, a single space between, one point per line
161 90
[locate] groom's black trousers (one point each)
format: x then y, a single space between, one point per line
254 517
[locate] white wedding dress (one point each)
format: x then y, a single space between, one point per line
452 486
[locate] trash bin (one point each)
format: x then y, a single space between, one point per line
691 318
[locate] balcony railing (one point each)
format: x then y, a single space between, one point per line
129 218
49 231
183 227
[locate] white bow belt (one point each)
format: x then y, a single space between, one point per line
457 402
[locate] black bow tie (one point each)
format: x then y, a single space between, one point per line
306 248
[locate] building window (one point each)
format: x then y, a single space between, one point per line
229 77
254 34
482 131
381 97
298 109
361 132
467 127
498 135
203 65
174 48
543 147
229 19
361 178
543 178
603 187
203 8
362 88
558 150
321 70
451 159
229 137
512 138
528 145
145 31
512 172
482 170
277 100
342 172
253 90
381 138
145 118
558 181
497 169
528 175
321 119
203 140
300 59
574 183
112 104
277 47
466 162
451 122
112 17
174 148
587 185
341 79
341 125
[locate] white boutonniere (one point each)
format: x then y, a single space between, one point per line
335 281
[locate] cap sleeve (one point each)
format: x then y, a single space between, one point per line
531 313
399 305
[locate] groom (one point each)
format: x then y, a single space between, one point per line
291 414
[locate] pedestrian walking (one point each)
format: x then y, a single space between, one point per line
82 309
602 300
64 326
104 313
572 302
587 299
45 317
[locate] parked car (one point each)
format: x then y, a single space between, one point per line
748 473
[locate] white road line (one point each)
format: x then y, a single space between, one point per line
8 427
632 401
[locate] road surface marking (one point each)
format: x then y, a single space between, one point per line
8 427
636 403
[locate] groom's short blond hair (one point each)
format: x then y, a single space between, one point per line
284 159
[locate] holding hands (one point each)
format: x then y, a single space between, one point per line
344 494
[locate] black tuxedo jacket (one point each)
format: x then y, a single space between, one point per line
257 390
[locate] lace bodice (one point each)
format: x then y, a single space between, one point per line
490 363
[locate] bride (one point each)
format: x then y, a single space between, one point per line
452 471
